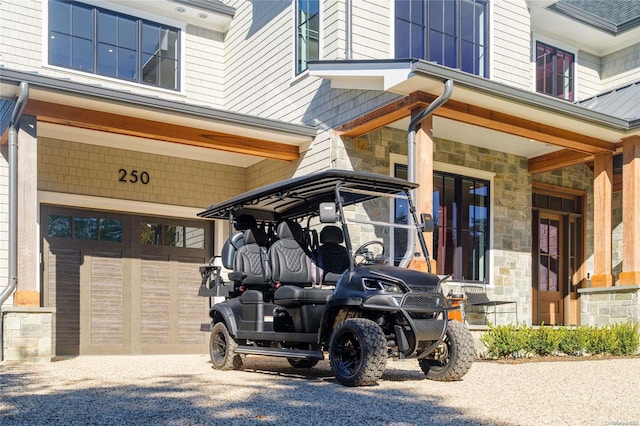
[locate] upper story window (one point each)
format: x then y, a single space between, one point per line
453 33
554 71
307 33
103 42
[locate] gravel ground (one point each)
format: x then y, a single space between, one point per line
185 390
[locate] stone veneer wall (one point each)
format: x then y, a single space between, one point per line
27 334
610 305
510 273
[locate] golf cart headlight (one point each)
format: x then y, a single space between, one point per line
378 284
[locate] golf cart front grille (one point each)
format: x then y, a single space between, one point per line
421 301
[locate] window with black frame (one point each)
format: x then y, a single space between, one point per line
554 71
103 42
461 218
453 33
461 237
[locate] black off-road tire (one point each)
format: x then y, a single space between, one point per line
358 352
222 349
460 355
302 363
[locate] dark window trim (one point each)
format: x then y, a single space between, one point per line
139 53
572 77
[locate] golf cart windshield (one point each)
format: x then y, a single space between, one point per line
377 228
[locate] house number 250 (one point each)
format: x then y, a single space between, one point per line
134 176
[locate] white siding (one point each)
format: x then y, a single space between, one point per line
204 66
371 31
21 34
588 75
510 32
333 31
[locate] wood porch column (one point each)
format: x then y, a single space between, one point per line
424 175
602 196
630 211
27 292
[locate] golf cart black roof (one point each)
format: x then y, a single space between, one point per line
301 196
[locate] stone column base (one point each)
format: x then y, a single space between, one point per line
27 334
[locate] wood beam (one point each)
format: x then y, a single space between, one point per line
477 116
131 126
557 160
630 274
602 220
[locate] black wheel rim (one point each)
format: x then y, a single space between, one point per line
348 353
441 363
218 348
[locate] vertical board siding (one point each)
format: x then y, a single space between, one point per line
64 271
107 286
155 302
191 308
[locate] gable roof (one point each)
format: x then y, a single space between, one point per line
611 16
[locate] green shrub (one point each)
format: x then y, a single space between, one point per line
509 341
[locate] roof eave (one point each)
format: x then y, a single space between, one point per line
14 77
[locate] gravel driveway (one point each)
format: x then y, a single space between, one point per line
184 390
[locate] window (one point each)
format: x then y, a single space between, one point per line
554 71
307 33
461 215
157 234
103 42
453 33
84 228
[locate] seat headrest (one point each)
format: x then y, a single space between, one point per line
289 230
244 222
255 236
331 235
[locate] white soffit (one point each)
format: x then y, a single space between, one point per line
444 128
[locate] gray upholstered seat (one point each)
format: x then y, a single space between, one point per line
332 257
289 262
251 258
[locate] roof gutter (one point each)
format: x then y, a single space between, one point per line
14 127
411 165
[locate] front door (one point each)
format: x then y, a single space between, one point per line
557 258
550 282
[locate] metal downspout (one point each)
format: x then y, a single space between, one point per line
14 127
411 163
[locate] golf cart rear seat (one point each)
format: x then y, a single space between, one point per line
293 296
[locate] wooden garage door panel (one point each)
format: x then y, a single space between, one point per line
191 307
155 302
107 293
64 270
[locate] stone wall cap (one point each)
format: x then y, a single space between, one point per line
29 309
614 289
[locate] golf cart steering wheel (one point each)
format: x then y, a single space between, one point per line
367 256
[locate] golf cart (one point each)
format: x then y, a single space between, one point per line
319 264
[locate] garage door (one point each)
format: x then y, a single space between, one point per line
123 284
